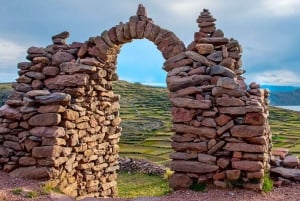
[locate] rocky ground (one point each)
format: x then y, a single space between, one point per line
9 186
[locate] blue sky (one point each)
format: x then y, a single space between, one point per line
268 30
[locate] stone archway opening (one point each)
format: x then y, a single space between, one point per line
62 120
145 110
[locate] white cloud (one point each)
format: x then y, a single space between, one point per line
281 8
276 77
10 53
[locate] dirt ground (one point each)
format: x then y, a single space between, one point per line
10 186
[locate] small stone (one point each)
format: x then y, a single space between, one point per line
54 131
288 173
221 70
180 181
223 119
216 56
205 48
251 166
62 35
247 131
182 115
34 93
31 172
46 119
223 162
245 147
61 57
290 161
227 83
206 158
233 174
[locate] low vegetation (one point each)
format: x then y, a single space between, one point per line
137 185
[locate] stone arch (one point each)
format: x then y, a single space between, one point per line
107 46
62 119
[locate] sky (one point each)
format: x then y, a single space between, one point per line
268 30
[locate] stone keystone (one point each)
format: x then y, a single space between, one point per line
141 11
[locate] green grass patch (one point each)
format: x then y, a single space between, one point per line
17 191
267 183
139 185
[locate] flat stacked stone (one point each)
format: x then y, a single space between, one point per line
221 128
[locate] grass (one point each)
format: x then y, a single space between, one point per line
267 183
138 185
17 191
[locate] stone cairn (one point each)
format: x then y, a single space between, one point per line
222 132
61 121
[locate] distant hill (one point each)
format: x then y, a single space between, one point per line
285 98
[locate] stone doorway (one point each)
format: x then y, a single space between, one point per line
62 119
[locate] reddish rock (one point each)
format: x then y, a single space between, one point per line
247 131
229 101
13 145
10 113
183 156
220 91
223 119
215 56
233 174
206 158
54 99
219 176
51 108
290 161
257 140
175 83
182 115
54 131
46 151
70 115
46 119
191 103
180 181
225 127
256 175
245 147
288 173
228 63
227 83
31 172
209 122
216 147
251 166
61 57
205 48
281 152
192 166
27 161
233 110
203 131
62 81
189 146
255 118
223 162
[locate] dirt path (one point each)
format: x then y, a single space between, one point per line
285 193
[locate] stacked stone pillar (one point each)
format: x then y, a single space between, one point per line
221 127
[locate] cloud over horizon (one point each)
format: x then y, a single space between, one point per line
268 31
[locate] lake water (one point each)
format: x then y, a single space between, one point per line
295 108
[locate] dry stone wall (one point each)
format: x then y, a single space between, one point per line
222 132
62 120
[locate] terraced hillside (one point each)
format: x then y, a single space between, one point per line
146 122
